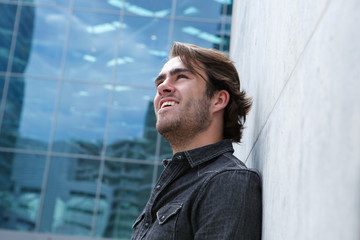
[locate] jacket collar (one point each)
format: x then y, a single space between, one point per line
203 154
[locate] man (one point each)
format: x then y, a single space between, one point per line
204 192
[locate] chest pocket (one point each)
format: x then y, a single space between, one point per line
168 212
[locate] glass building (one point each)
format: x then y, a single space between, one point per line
79 152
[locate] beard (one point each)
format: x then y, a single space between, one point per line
184 124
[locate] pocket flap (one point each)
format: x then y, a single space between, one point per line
167 211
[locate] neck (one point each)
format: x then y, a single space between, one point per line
196 142
184 142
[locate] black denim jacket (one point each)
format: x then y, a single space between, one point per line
205 193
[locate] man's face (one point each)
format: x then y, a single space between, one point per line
181 105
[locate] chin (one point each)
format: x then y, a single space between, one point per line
164 127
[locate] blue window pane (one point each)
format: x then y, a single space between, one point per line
21 177
28 113
62 3
40 41
81 118
132 132
37 113
143 48
8 14
225 35
70 196
107 55
2 83
208 35
114 5
127 188
165 150
212 9
153 8
24 39
9 1
12 115
92 46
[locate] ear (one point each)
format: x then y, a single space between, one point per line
220 100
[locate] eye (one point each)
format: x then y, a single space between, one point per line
182 76
157 83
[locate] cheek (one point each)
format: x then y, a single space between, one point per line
156 100
193 90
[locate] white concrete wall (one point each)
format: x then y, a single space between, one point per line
300 61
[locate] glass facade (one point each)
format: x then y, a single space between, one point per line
79 152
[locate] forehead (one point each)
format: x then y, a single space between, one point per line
172 64
176 63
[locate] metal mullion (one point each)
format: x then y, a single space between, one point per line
223 26
10 60
53 125
103 151
172 20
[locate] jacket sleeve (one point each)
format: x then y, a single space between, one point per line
229 206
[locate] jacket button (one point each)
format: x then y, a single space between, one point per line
158 186
147 225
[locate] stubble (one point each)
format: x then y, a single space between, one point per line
180 128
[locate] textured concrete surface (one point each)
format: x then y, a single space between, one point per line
301 64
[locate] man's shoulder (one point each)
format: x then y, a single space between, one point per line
226 162
235 178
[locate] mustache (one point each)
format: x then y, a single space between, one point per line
170 96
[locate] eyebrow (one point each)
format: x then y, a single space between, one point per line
172 73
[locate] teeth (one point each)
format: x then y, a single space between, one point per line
167 104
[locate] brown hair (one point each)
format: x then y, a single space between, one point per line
222 75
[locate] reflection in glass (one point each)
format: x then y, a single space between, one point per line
98 5
63 3
81 118
28 113
12 113
37 113
224 33
165 150
208 35
2 83
21 177
70 196
143 48
8 14
92 44
154 8
127 187
102 58
46 38
6 1
24 39
212 9
132 131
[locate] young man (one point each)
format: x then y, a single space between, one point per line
204 192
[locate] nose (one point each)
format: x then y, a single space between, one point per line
166 87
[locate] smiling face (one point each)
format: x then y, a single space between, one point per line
181 105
